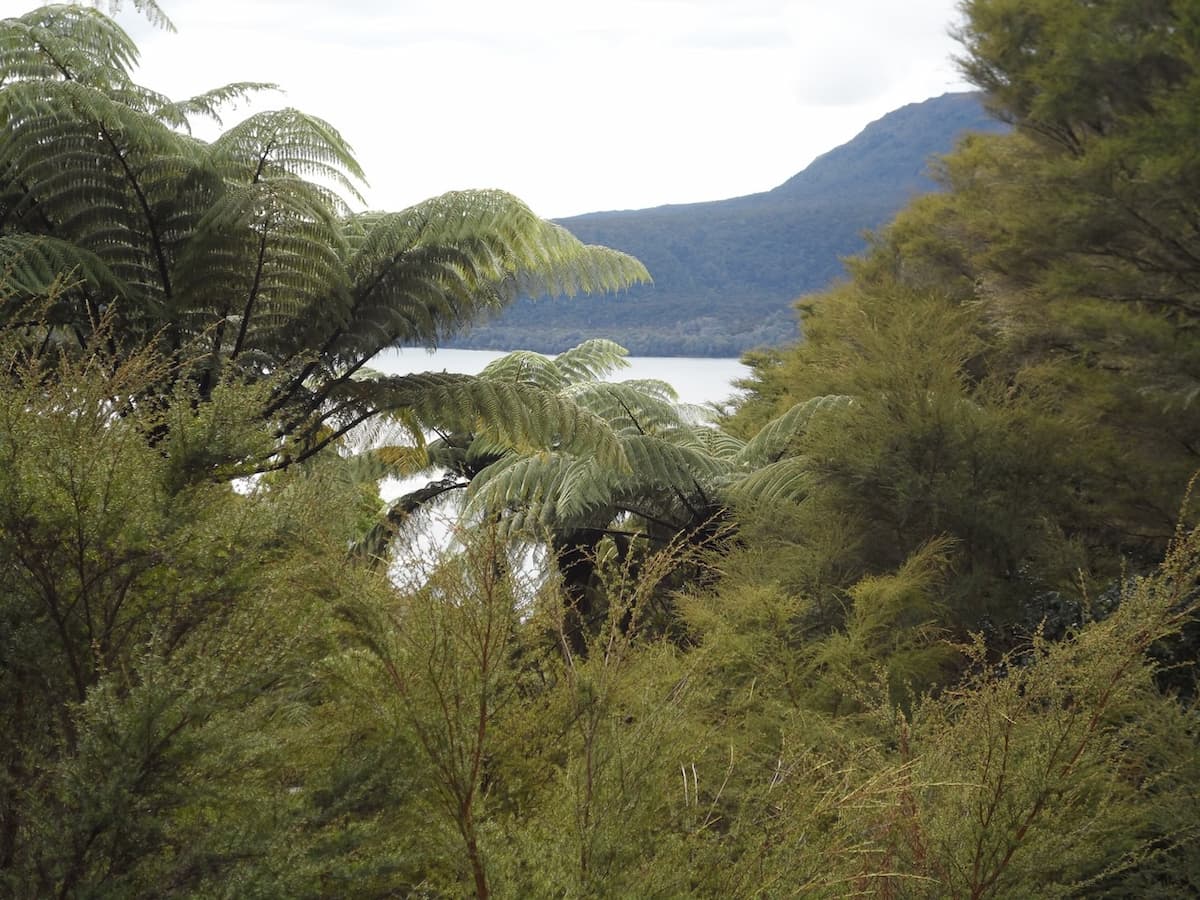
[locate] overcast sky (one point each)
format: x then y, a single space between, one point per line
573 105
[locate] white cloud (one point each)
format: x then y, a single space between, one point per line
574 105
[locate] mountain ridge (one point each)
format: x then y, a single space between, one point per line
727 272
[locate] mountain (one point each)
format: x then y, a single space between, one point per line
727 272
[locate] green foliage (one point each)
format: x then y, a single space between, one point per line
1021 348
1088 257
238 258
1055 761
926 449
1019 353
1031 777
618 804
917 620
447 653
161 632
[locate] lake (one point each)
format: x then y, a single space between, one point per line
696 380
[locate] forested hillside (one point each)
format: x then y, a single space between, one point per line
917 619
726 272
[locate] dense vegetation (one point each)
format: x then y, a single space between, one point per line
727 272
918 619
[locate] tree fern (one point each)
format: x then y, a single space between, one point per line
244 252
262 259
54 41
650 460
284 142
38 266
773 440
634 407
784 479
179 113
592 360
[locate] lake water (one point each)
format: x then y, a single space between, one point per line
696 380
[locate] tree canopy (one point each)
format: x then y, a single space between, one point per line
917 619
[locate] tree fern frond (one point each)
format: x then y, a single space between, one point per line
487 247
632 407
38 266
591 360
786 479
65 41
287 140
520 416
653 387
717 443
585 493
528 367
85 116
267 254
71 152
776 437
581 269
664 463
408 292
148 8
208 105
397 436
562 492
144 100
547 492
699 414
516 480
490 227
483 450
389 461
